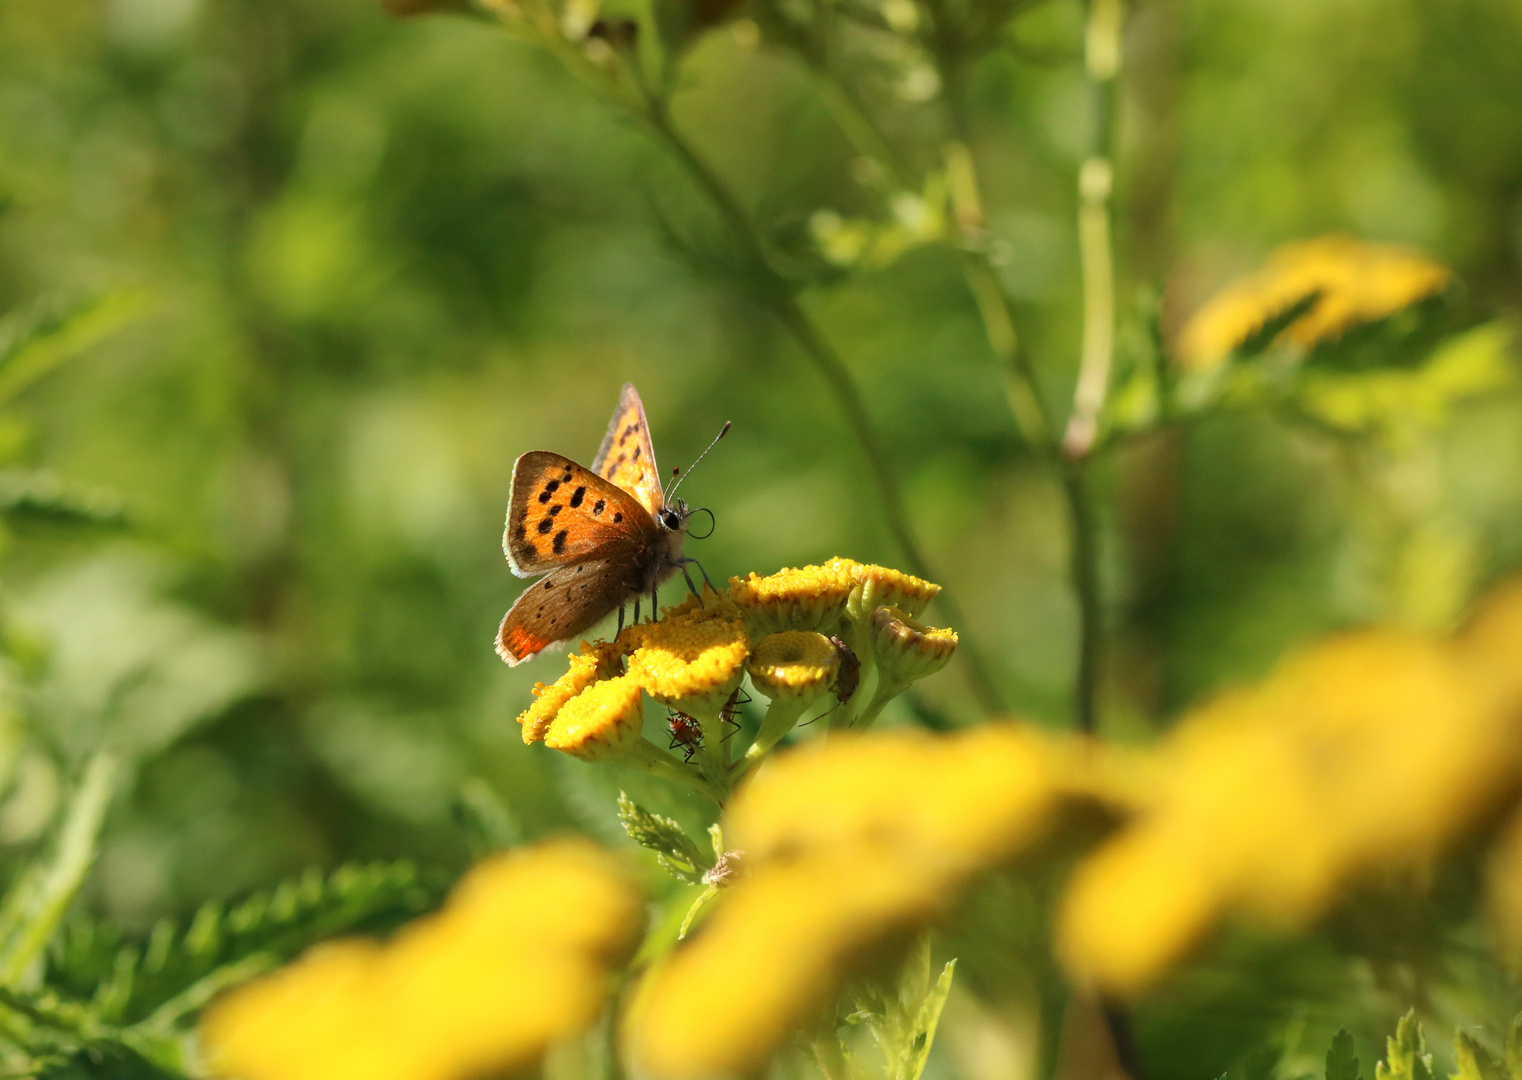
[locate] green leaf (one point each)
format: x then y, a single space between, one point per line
105 1060
676 852
1341 1061
1406 1056
1514 1049
916 1051
1473 1062
35 342
152 986
40 897
33 497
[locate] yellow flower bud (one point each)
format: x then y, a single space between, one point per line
907 650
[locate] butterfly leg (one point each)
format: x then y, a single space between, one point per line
690 581
636 611
655 612
620 618
690 559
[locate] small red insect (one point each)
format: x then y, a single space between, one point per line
686 733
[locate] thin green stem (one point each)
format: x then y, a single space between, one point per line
651 759
780 299
781 715
1085 574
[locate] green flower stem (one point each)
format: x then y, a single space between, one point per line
652 759
886 690
781 716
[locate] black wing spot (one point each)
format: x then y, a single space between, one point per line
540 612
544 496
636 453
560 540
545 525
576 497
579 569
630 430
618 517
566 479
550 487
556 509
549 584
602 504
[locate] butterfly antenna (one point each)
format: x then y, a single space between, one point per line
723 431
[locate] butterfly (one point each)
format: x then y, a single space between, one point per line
604 535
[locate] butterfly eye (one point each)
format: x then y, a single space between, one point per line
671 519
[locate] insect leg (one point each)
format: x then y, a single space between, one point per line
620 618
690 585
636 611
690 559
655 612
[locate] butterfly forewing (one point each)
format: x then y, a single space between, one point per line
626 457
560 513
565 604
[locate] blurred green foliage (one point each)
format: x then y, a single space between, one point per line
287 287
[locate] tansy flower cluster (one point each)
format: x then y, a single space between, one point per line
852 847
1369 753
1342 282
519 959
842 635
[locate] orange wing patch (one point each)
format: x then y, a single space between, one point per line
560 607
626 457
560 513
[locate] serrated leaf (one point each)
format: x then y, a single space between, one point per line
1473 1062
916 1051
41 498
40 897
1406 1056
149 987
1341 1061
678 855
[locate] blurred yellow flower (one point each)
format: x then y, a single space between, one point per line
594 662
1353 282
1367 751
602 723
793 664
854 845
518 959
691 662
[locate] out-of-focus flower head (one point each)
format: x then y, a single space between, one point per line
1367 752
690 662
518 959
602 723
853 846
595 661
1351 281
794 664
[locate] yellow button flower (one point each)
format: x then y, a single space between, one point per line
806 598
1367 752
854 845
879 585
518 959
602 723
793 664
1353 282
599 661
690 662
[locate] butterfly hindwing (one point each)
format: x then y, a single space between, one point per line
559 514
626 457
561 606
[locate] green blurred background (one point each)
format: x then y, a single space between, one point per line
375 260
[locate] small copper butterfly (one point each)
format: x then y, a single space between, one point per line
604 535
